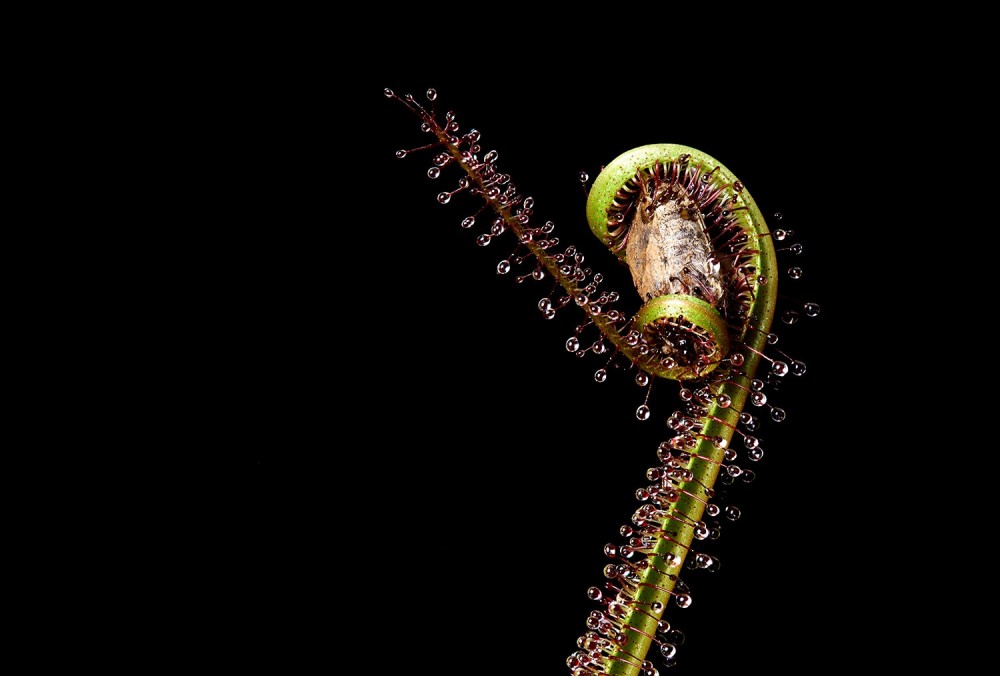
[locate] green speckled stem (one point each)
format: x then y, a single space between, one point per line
720 422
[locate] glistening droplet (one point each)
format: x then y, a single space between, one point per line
503 267
431 94
642 413
573 344
600 375
795 273
812 309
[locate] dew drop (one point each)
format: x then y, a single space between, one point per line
778 414
642 379
795 273
431 94
573 344
483 240
812 309
642 413
503 267
434 172
790 317
779 368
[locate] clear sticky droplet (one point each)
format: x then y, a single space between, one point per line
668 651
490 157
755 455
734 470
642 413
751 442
798 367
600 375
642 379
812 309
790 317
724 400
683 600
388 92
431 94
758 398
434 172
503 267
733 512
594 594
425 127
736 359
778 216
548 314
583 177
538 274
573 344
483 240
400 154
795 273
779 368
796 248
777 414
443 197
772 338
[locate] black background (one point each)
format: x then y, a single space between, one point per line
427 462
